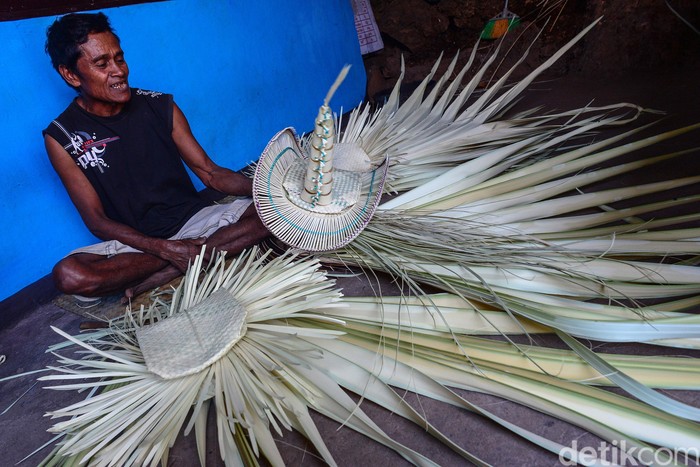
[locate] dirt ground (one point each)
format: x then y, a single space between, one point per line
638 35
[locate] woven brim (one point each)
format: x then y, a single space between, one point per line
357 190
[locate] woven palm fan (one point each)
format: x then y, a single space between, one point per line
320 200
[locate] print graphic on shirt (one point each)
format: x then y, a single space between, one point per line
143 92
87 150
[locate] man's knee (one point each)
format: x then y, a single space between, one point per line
70 277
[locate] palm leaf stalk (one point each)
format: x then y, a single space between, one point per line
452 313
659 372
551 286
417 369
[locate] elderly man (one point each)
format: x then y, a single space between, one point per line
121 154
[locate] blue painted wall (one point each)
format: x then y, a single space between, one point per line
240 71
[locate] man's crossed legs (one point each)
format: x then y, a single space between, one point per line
111 267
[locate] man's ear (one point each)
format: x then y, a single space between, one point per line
69 76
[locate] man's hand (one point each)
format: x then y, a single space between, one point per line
181 253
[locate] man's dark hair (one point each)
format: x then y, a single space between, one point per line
67 33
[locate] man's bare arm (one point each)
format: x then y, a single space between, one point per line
212 175
88 203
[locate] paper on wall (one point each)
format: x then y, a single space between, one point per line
367 30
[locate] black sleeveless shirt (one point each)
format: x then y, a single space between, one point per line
132 162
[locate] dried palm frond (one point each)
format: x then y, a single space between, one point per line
520 243
521 240
263 380
513 225
490 210
425 135
299 346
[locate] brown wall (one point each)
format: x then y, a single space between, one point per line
633 35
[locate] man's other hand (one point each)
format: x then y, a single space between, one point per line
181 253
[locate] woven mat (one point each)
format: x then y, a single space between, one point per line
109 307
104 309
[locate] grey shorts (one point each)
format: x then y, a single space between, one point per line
203 224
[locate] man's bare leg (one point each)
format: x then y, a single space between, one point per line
234 238
154 281
93 275
134 273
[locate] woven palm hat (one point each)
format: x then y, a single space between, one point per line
320 195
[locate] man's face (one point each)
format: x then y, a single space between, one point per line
102 75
